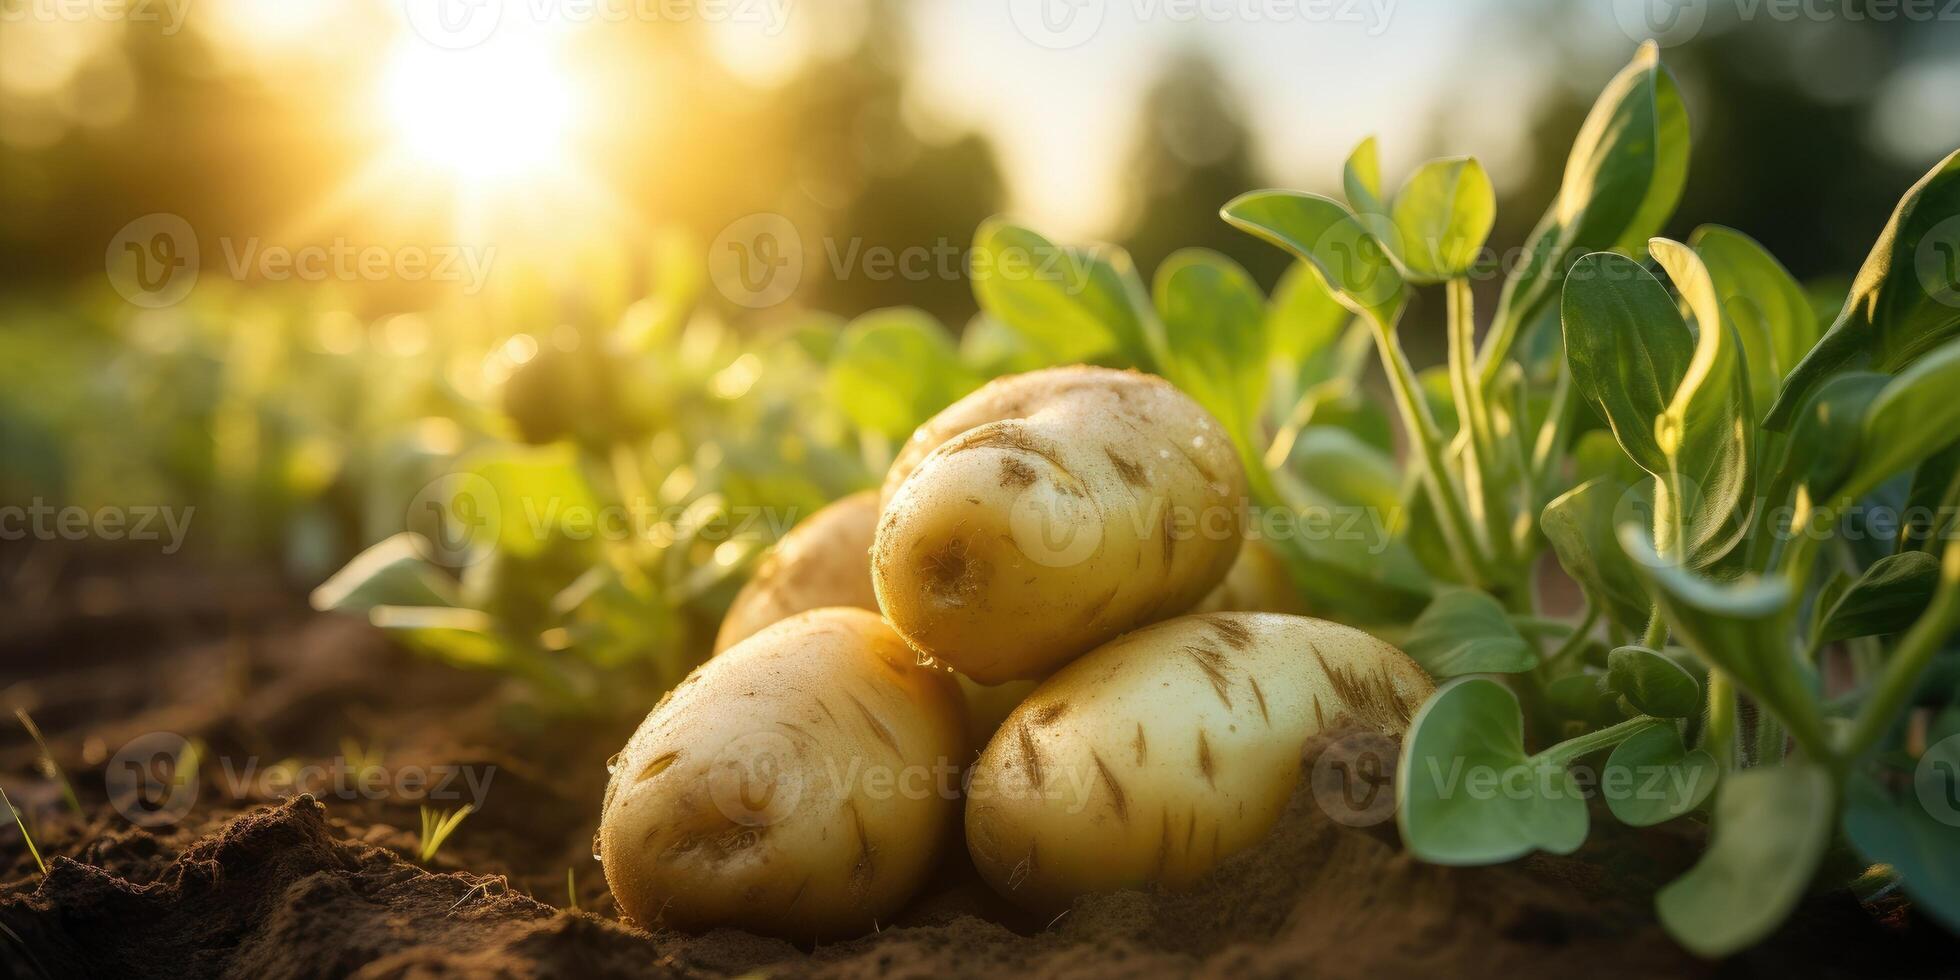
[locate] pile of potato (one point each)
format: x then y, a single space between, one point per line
1030 555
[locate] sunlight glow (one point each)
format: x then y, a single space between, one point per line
498 113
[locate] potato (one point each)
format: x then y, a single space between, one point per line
1050 511
1257 582
823 561
1161 753
826 561
801 784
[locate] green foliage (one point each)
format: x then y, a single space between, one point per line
1069 304
1771 828
893 369
1466 632
1904 302
1472 729
1653 777
1651 683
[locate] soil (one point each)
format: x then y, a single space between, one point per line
253 881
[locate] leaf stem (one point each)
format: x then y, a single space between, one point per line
1656 635
1577 639
1473 412
1718 732
1573 749
1436 478
1908 661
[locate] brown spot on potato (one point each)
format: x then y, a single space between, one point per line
1260 696
1234 634
1127 469
1030 757
659 765
1117 798
878 728
1097 608
951 575
1049 714
1016 474
1209 661
1369 698
1205 764
862 870
1142 746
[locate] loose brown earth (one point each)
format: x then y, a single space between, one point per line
100 653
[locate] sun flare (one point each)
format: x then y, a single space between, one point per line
498 113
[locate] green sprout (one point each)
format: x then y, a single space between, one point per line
24 835
437 825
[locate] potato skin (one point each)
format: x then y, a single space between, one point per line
1050 511
726 809
826 561
1258 582
1157 755
823 561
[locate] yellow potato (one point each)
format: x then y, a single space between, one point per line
802 784
826 561
1258 582
1050 511
1155 756
823 561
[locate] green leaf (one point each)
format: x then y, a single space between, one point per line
1579 525
1628 349
1770 312
1824 442
1770 829
1741 628
1304 324
1071 304
1467 791
526 495
1905 834
1914 416
1905 301
895 368
1708 430
1361 178
1887 599
391 573
1652 777
1214 318
1321 232
1443 214
1932 500
1582 696
1622 180
463 637
1466 632
1652 683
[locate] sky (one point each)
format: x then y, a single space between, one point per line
1060 102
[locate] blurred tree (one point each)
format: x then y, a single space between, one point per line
1193 154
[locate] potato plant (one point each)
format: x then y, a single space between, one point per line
1752 641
